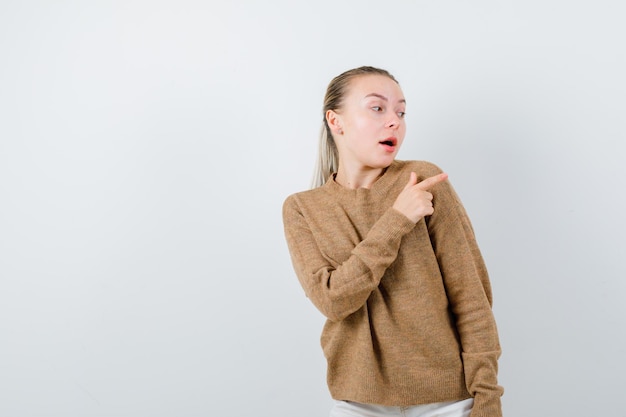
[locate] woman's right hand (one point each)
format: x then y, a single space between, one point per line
415 201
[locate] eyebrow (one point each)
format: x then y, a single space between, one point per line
380 96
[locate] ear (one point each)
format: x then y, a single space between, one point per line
334 122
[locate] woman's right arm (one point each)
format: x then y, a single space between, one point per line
340 290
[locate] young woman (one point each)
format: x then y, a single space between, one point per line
385 250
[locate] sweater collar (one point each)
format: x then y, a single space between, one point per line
380 186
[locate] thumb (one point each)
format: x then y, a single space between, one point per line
412 180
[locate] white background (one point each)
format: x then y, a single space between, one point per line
146 148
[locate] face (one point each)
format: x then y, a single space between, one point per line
369 127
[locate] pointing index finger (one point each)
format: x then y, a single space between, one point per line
430 182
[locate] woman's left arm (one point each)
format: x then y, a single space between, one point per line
469 293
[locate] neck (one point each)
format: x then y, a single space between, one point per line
363 178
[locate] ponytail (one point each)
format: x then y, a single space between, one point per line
328 158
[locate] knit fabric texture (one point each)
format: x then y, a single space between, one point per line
408 306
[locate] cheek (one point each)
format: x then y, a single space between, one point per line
402 130
362 124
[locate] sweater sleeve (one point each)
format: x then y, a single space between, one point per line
469 293
340 290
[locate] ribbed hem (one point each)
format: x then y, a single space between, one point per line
431 386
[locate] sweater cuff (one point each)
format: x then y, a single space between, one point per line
486 405
481 370
395 223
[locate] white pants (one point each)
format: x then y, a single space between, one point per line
447 409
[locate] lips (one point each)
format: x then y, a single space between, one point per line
389 143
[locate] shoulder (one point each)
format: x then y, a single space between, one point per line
308 197
423 169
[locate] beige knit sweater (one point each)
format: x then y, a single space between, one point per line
408 306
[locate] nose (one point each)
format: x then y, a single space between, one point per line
393 122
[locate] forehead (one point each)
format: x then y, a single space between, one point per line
363 86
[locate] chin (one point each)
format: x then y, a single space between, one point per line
382 163
387 160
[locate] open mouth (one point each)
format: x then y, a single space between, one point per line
389 142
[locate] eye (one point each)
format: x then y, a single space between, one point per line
401 114
377 108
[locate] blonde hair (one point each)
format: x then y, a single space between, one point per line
328 156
